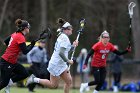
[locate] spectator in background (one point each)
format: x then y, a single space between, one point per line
38 58
116 68
84 73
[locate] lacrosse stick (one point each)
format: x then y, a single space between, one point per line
130 9
82 24
44 34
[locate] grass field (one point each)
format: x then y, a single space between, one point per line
45 90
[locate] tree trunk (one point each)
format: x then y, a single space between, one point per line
44 22
2 16
43 13
3 12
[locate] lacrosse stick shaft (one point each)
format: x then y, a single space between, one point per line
75 47
82 23
130 9
77 38
130 32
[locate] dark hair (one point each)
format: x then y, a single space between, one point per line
61 22
21 25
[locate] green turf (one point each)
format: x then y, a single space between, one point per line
45 90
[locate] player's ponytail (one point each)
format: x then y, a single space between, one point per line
18 22
21 25
61 22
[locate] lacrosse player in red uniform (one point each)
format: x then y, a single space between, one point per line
8 63
100 50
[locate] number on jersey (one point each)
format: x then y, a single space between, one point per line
11 39
103 56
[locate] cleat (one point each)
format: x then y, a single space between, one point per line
30 80
83 87
7 89
87 89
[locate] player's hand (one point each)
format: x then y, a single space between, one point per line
128 48
75 43
70 62
84 66
33 42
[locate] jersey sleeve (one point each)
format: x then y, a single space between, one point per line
95 47
112 48
20 39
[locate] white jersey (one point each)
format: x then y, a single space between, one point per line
62 41
57 64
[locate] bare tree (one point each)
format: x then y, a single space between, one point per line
3 14
43 12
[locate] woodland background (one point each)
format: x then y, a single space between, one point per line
100 15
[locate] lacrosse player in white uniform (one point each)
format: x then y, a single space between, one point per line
58 63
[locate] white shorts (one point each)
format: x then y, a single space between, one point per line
56 70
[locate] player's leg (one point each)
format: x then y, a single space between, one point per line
102 79
96 74
115 88
5 74
118 78
66 76
20 73
52 83
34 69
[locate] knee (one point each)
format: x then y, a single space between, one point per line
101 83
68 83
97 81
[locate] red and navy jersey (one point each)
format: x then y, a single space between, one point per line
100 54
13 49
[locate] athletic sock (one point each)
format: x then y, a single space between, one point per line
10 82
36 80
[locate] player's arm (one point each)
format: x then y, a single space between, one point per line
88 56
120 52
75 44
62 55
25 49
6 41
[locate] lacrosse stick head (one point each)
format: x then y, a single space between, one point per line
130 8
45 34
82 24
